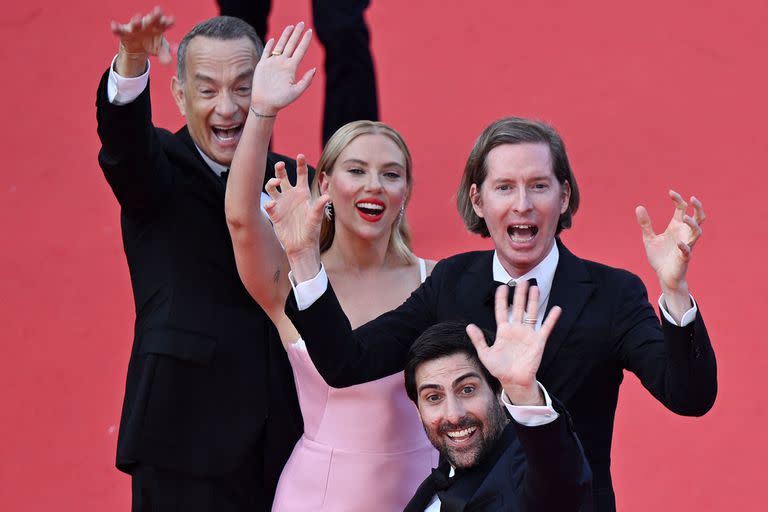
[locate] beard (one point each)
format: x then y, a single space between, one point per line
487 434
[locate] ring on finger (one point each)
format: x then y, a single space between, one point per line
275 53
529 321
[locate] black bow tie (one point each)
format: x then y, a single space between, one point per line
492 294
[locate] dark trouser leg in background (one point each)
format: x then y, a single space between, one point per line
350 81
255 12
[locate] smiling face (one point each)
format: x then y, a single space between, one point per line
521 202
460 413
215 93
368 186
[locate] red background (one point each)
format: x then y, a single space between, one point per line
648 96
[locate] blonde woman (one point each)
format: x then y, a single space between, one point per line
363 446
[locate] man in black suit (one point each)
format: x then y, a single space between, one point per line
210 413
533 461
518 188
350 79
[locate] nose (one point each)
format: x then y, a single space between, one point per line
454 410
522 201
225 104
373 183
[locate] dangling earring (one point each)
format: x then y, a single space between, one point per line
401 214
329 211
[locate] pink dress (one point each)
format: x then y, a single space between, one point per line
363 447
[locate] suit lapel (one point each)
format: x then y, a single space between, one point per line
477 287
192 159
571 288
423 496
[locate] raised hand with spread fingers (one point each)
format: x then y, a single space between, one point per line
515 356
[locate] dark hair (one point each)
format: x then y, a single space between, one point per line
223 28
443 340
514 130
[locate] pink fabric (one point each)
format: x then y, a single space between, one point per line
363 447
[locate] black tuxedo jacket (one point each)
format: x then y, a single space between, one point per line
208 381
607 326
528 469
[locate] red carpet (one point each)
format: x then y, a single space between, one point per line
647 96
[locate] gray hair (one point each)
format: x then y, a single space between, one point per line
223 28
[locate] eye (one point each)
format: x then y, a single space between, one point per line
355 170
206 92
432 398
504 187
467 390
392 175
244 89
540 186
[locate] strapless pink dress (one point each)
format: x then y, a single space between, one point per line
363 447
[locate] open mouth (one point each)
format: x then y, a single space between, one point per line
370 209
461 436
227 134
522 233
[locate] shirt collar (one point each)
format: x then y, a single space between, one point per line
544 272
216 167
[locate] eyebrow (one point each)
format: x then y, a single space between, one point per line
454 384
363 162
205 78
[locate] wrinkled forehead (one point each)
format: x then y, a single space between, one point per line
219 58
446 371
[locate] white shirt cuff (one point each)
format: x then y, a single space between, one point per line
532 415
121 89
688 317
307 292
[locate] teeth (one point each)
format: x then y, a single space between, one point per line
371 206
461 433
226 134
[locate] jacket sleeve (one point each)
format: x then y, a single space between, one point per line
131 156
557 474
345 357
676 364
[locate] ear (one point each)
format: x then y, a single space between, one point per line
474 197
324 182
177 90
565 199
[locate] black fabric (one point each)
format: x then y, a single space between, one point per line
350 77
607 326
490 298
208 381
528 469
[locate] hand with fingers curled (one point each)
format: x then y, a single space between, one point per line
670 252
274 79
141 37
295 215
515 356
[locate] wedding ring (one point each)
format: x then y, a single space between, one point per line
275 53
529 321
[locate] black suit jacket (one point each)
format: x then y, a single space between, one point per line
529 469
607 326
208 381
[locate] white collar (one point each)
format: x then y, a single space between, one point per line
544 272
216 167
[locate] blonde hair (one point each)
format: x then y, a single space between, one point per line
400 237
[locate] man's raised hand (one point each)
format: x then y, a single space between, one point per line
274 80
515 356
143 35
669 252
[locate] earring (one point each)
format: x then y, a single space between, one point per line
401 214
329 211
